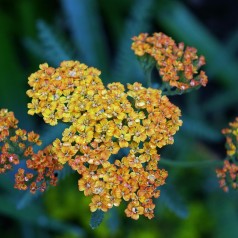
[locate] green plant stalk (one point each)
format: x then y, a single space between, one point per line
191 164
148 77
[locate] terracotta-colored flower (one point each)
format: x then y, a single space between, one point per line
178 66
228 175
134 210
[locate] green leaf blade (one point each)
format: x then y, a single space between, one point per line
96 218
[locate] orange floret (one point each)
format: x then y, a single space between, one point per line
228 175
177 66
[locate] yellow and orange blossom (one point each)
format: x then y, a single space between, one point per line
178 66
115 131
103 121
228 175
17 145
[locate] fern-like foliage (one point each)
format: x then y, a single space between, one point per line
85 25
125 63
50 47
54 50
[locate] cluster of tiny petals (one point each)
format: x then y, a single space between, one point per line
63 93
44 165
7 122
228 175
178 66
16 144
7 160
103 121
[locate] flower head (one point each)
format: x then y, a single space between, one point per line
16 145
178 66
228 175
134 121
56 93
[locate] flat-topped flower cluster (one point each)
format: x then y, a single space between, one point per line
178 66
114 132
16 145
103 121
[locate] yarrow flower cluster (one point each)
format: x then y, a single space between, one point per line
17 144
228 175
57 93
103 122
178 66
114 132
8 122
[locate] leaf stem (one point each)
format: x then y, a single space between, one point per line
148 77
191 164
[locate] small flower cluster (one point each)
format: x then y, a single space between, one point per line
177 66
228 175
63 93
8 123
42 171
16 144
104 122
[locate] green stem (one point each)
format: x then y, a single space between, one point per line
148 77
191 164
170 93
174 92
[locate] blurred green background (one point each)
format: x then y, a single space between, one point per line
99 33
